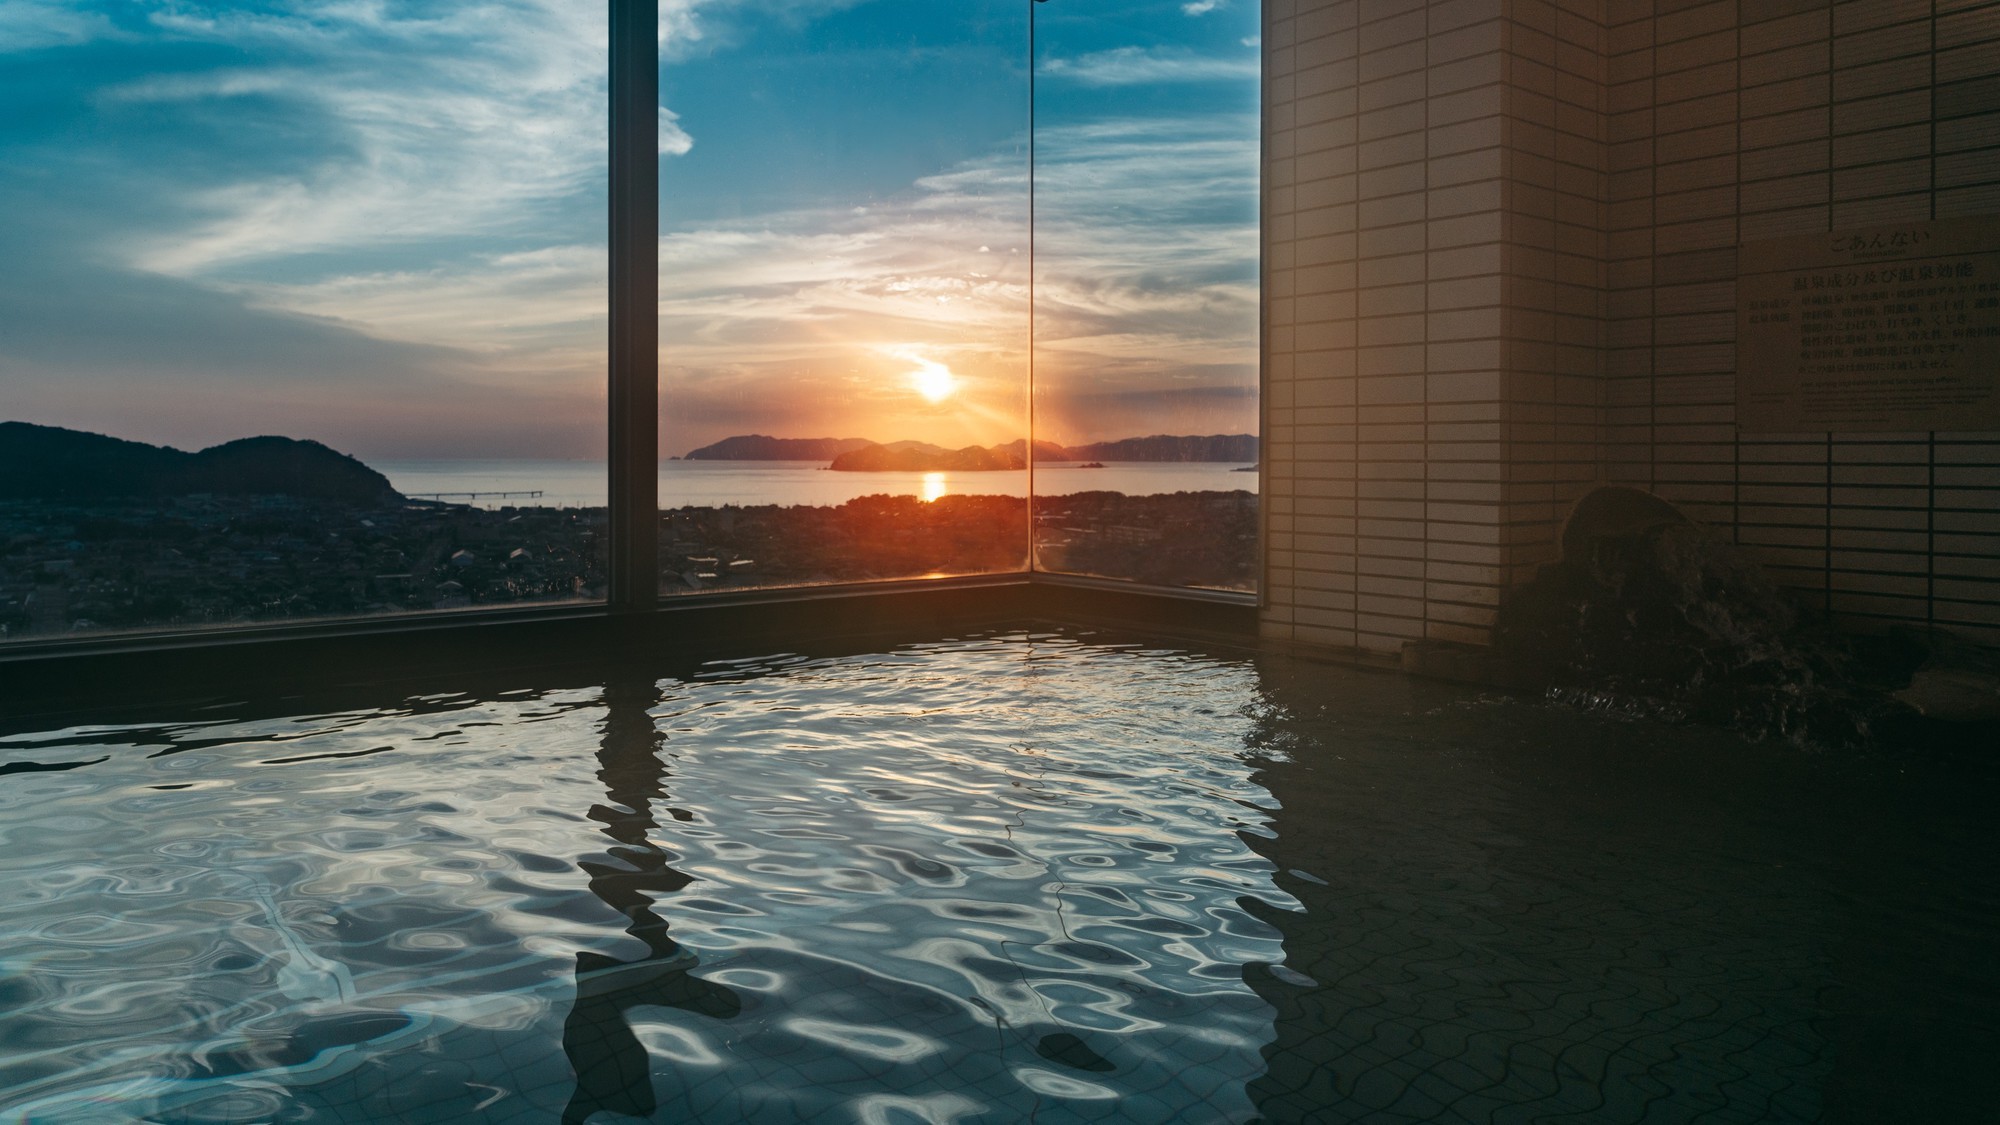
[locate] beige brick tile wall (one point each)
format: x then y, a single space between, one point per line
1500 257
1819 115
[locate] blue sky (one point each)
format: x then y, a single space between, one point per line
380 223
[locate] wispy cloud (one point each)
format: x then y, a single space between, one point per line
532 317
803 314
381 224
1134 66
362 227
1147 294
433 125
1146 286
693 27
1201 7
34 25
674 140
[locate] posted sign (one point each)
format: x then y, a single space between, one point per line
1882 329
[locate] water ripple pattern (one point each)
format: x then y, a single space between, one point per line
969 881
989 880
262 920
1016 877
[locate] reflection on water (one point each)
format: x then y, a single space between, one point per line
936 882
613 1069
1009 878
945 882
335 916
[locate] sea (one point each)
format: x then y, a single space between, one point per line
709 484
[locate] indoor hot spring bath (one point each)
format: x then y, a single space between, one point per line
1003 877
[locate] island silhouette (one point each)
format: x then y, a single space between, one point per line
51 462
862 455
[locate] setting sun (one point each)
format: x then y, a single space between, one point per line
932 379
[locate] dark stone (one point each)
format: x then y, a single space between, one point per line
1610 513
1650 614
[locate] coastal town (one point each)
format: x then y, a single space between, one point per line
83 549
205 560
1205 539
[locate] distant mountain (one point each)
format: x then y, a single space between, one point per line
1165 447
918 456
860 455
52 463
757 447
1044 450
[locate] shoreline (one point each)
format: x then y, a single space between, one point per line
713 483
71 567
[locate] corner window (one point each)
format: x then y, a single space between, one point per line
303 313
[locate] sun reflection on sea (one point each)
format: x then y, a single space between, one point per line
934 486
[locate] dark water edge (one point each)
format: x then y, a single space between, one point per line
1413 900
1576 917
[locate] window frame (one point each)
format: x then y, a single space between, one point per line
632 461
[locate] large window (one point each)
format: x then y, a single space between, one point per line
303 310
846 298
306 306
1146 290
844 291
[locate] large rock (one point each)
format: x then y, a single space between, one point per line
1650 613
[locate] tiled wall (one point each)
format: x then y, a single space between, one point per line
1733 123
1386 218
1500 260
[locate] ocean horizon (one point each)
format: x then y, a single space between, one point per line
708 484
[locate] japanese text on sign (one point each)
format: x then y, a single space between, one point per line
1890 329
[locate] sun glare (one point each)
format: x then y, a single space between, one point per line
934 486
932 379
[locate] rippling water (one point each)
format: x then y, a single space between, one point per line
955 880
1016 877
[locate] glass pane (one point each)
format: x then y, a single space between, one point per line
303 312
1146 150
843 281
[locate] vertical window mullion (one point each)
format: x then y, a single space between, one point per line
634 239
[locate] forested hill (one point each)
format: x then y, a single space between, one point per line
53 463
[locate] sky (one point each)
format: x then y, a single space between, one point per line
380 224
